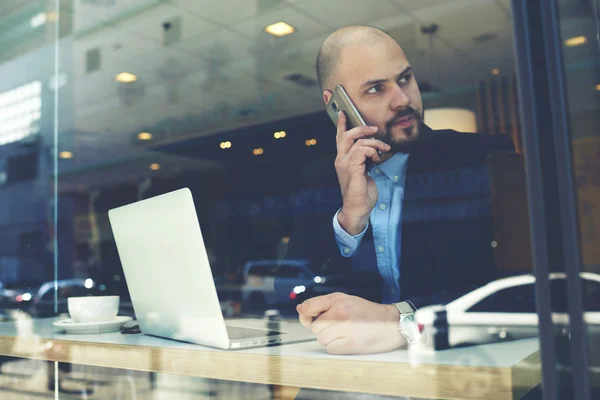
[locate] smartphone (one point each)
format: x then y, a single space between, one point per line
340 101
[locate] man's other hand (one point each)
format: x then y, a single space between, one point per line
347 324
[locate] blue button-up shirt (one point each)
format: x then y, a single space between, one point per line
386 217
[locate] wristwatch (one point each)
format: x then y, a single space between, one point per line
408 326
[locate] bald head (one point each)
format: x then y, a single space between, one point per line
330 52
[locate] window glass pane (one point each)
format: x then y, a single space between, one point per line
579 26
591 295
223 97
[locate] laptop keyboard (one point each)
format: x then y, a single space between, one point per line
237 333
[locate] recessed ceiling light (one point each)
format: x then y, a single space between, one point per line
310 142
38 20
279 135
125 77
575 41
495 71
145 136
225 145
154 166
258 152
280 29
65 155
598 87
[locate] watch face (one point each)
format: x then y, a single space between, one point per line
410 328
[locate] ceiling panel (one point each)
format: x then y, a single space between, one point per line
10 6
295 2
338 13
455 20
159 68
116 48
227 12
150 22
414 5
221 45
309 49
501 48
225 62
253 29
504 5
135 37
279 73
164 65
103 12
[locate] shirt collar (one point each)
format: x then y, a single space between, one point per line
392 167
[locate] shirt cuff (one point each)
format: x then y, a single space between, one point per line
345 241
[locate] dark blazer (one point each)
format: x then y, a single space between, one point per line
447 229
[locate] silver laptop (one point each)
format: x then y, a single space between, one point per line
170 280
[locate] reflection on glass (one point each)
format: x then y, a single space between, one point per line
223 97
581 51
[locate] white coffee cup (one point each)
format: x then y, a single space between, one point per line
93 308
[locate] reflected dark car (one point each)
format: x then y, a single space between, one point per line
357 285
40 303
18 297
267 283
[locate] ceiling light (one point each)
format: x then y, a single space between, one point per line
154 166
280 29
145 136
126 77
598 87
495 71
65 155
258 152
279 135
38 20
310 142
225 145
575 41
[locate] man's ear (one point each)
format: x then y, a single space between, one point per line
327 95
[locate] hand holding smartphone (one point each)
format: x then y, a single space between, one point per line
356 149
340 101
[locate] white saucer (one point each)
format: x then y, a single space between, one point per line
70 326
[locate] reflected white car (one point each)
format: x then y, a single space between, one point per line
505 310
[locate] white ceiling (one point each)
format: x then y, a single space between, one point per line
10 6
225 57
228 35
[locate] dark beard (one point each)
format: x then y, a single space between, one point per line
412 133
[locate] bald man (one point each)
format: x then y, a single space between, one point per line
418 220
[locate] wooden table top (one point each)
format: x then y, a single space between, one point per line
495 371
